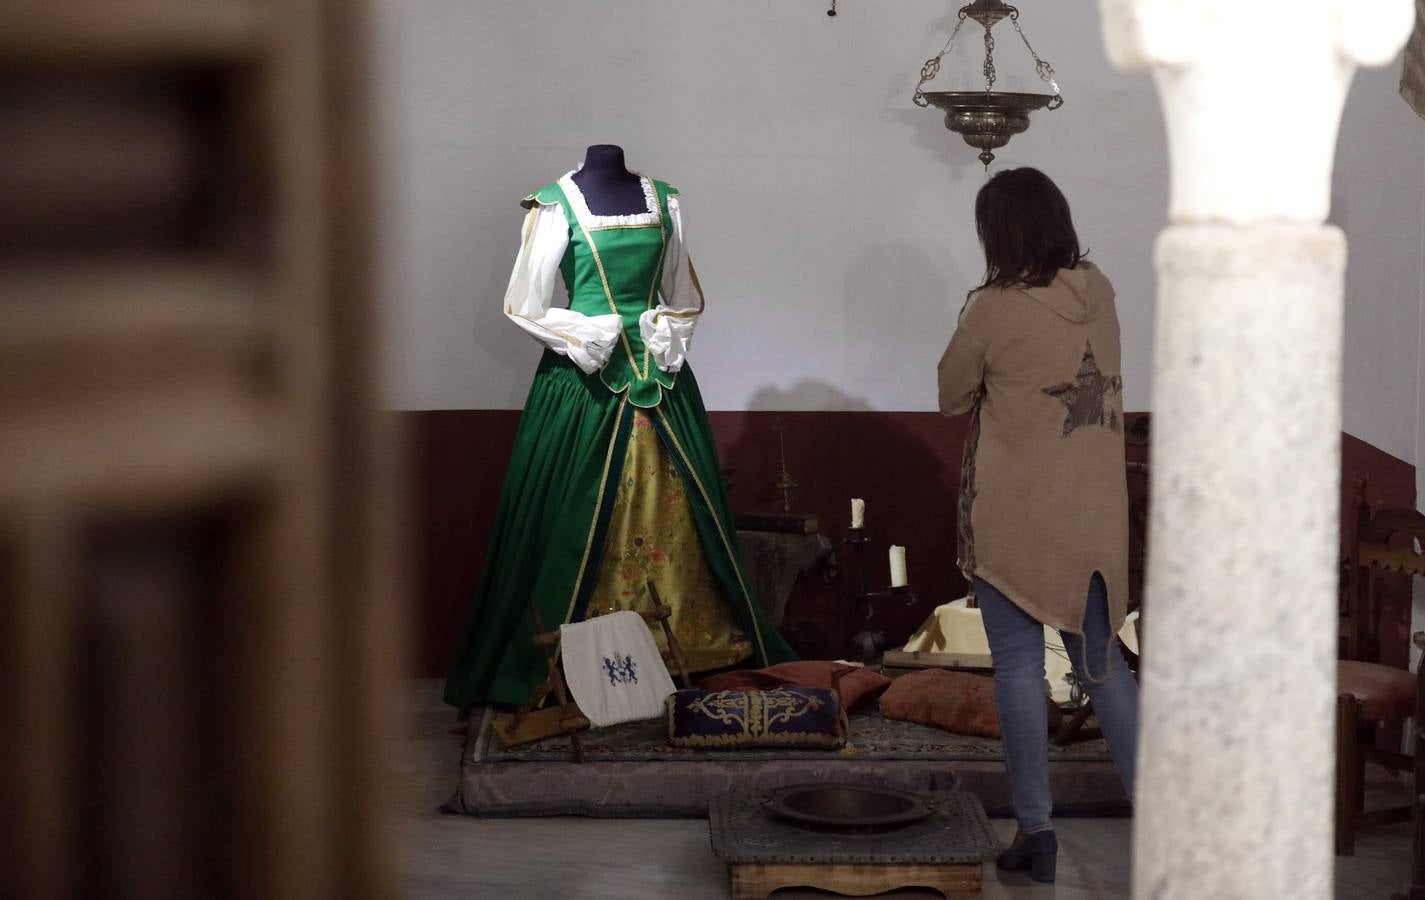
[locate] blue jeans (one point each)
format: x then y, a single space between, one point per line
1017 646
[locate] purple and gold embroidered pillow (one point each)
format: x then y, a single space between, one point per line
789 718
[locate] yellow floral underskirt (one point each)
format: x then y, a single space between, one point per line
652 537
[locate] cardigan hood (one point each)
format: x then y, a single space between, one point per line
1078 295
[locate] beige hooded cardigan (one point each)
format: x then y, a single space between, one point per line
1043 496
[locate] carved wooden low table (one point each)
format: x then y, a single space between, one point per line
943 851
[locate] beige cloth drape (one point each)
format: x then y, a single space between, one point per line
957 630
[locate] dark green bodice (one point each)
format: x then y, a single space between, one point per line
617 268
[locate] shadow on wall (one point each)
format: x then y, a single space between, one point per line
806 394
927 129
905 465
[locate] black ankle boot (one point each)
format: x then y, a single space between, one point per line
1036 852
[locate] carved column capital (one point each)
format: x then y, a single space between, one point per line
1252 94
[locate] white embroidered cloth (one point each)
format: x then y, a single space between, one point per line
614 669
1412 74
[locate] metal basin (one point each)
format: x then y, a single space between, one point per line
847 808
988 119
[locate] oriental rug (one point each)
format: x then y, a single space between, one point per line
630 772
870 736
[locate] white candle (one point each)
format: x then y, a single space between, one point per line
858 513
898 578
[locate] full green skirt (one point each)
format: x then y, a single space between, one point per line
554 511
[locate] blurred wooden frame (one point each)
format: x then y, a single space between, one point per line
197 499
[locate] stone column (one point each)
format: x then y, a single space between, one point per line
1234 794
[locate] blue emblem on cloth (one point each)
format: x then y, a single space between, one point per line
621 670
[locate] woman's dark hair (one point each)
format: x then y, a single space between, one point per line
1025 227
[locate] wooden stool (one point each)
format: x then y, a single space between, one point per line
764 853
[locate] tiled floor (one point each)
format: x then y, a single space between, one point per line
444 857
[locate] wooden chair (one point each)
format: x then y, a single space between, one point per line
531 723
1359 606
1371 696
1415 890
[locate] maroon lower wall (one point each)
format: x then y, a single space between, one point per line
905 465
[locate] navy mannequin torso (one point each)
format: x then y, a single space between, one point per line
609 188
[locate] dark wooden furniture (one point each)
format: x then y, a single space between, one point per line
1357 627
795 577
1368 696
1415 890
1371 541
1372 697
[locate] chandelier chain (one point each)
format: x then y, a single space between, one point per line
1042 67
932 65
990 74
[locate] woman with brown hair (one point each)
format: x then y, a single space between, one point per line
1043 514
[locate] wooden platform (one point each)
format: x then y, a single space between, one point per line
630 772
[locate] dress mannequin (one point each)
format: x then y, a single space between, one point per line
614 482
609 187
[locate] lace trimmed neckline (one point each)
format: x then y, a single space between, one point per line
630 220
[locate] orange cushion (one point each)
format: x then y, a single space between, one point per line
959 702
1384 692
857 685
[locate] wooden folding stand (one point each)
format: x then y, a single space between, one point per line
531 723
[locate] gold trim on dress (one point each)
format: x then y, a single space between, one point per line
639 374
571 189
622 227
687 313
651 536
598 508
652 293
609 295
727 546
524 242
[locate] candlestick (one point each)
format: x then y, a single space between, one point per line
858 513
784 482
898 576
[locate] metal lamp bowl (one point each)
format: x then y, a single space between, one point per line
988 119
847 808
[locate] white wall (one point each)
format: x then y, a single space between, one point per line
831 220
1379 199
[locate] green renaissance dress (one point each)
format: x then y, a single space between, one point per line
614 479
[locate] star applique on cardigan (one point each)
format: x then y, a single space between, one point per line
1087 396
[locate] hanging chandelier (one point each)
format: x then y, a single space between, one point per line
987 119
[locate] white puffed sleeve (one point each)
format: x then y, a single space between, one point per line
586 340
667 329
